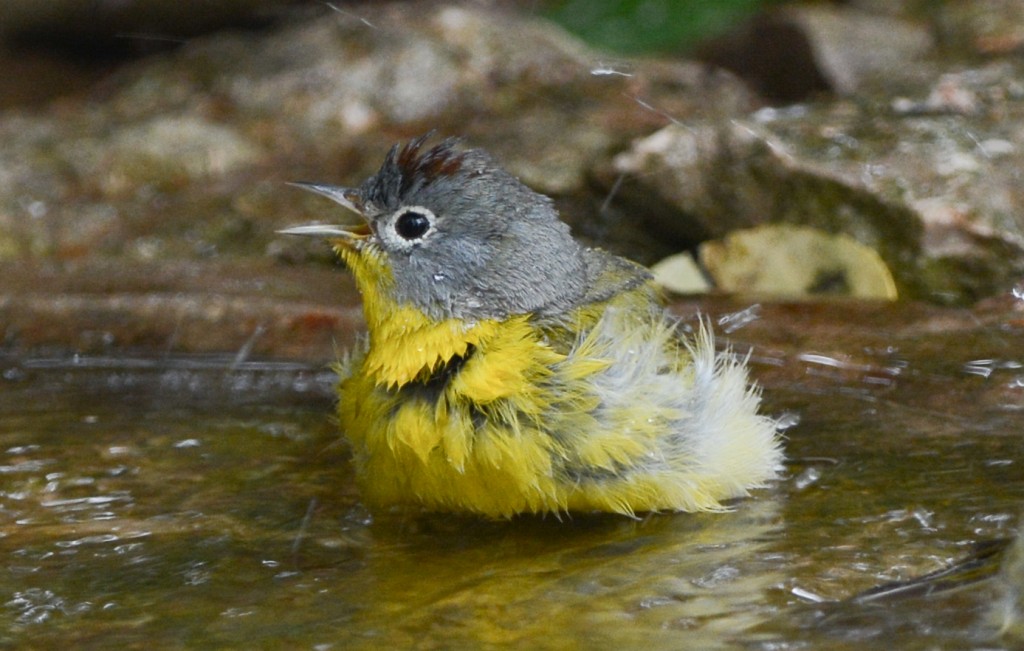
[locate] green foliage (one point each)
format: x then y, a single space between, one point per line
635 26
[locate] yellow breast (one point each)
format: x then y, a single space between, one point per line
447 414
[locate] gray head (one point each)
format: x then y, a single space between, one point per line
461 237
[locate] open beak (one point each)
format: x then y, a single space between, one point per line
347 234
347 197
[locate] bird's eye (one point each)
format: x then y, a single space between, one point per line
412 224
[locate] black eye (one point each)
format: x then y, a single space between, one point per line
412 224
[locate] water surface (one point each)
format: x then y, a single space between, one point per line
198 502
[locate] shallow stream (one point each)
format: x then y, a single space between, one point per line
205 503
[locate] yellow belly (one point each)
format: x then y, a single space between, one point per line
511 425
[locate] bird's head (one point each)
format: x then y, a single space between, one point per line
448 232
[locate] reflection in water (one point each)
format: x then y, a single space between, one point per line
208 502
604 581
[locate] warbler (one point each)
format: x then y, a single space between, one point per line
509 369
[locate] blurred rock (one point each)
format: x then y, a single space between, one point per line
795 51
321 91
165 150
953 29
680 274
796 261
936 192
980 27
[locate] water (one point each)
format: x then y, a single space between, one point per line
206 503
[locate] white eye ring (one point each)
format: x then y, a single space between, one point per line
412 224
408 227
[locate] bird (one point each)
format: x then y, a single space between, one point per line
507 369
